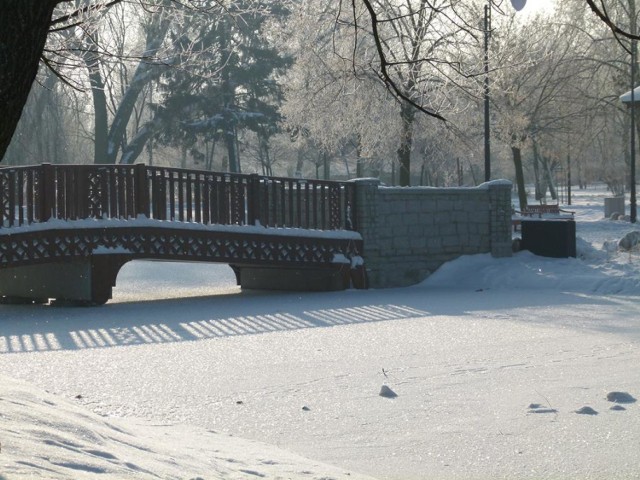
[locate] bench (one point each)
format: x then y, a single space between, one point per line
553 211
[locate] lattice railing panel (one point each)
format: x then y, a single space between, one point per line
171 244
97 194
6 214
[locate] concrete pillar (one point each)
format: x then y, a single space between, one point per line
83 281
293 279
70 280
614 205
500 218
366 219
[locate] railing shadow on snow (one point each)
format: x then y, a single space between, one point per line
183 320
46 328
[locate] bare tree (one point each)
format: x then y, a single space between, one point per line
25 26
121 94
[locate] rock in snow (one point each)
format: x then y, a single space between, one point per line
386 392
630 240
620 397
586 411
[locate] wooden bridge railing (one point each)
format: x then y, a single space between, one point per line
37 194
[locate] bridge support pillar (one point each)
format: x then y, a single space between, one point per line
293 279
86 281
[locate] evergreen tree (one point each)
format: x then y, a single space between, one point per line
232 86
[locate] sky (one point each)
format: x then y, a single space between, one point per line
182 375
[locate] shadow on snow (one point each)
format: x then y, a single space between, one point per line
43 328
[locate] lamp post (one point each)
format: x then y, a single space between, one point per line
632 193
630 98
517 5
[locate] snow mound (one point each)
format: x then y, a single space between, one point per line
44 436
630 240
594 271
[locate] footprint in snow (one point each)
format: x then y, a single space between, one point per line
620 397
537 408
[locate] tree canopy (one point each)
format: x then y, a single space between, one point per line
386 85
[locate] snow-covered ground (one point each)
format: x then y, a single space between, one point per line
182 375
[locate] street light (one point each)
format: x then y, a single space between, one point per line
517 5
630 98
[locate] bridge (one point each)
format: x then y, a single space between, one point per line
66 230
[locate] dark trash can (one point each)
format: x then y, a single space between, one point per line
549 237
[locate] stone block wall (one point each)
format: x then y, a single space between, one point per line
409 232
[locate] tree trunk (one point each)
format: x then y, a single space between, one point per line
211 150
549 178
24 25
298 171
101 117
393 173
183 156
636 111
326 166
38 136
53 135
474 176
407 116
149 146
359 159
232 151
517 162
540 189
264 154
